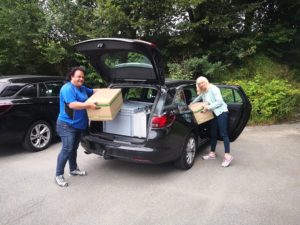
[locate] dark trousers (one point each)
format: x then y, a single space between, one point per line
220 122
70 138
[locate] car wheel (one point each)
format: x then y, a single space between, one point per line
38 137
187 158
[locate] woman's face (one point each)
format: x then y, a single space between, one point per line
78 78
202 85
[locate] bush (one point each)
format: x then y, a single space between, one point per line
94 80
272 100
260 64
194 67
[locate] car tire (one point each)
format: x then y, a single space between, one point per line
188 153
38 136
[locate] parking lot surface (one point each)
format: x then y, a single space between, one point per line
261 187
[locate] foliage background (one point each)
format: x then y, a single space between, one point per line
254 43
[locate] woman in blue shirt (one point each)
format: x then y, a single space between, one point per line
71 122
211 94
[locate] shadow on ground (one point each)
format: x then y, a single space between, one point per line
13 149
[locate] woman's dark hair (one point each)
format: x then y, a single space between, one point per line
73 70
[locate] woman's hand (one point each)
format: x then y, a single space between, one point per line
205 108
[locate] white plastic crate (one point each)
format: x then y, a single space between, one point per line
130 121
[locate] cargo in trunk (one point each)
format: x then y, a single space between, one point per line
131 120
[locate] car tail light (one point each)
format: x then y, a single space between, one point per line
162 121
5 107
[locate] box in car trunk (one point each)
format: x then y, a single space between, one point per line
131 120
109 101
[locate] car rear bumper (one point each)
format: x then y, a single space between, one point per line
132 153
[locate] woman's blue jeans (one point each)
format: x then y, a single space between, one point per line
70 138
220 122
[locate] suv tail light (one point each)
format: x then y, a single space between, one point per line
5 107
162 121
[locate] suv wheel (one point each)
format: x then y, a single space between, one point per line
38 137
187 157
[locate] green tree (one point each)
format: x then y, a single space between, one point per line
22 33
68 22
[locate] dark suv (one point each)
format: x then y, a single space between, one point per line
29 107
154 124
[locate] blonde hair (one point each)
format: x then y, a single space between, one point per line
199 79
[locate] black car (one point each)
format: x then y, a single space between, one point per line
29 106
164 130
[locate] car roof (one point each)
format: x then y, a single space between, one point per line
29 78
170 83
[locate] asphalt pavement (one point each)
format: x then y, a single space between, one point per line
261 187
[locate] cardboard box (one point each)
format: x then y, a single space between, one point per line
109 101
199 115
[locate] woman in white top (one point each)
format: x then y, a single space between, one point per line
211 94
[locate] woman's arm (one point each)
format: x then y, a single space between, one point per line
197 99
218 97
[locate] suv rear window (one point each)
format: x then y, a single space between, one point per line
8 89
125 59
139 94
126 65
30 91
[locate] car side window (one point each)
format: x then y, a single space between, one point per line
189 94
29 91
180 98
10 89
181 101
231 95
53 88
42 90
151 94
170 97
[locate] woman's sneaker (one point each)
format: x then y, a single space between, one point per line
60 180
210 155
226 161
78 172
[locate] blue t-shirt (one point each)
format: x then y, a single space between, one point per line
70 93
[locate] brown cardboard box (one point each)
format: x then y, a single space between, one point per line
109 101
199 116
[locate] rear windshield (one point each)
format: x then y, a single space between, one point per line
8 89
139 94
125 59
127 65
